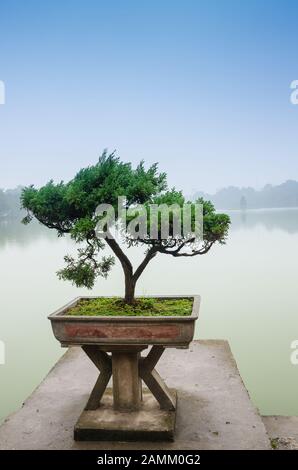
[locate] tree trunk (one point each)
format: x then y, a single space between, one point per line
129 289
130 277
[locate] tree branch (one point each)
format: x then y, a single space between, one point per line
126 264
176 253
150 254
52 225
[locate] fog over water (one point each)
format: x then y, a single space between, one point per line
248 289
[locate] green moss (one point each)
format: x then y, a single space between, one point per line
274 442
114 306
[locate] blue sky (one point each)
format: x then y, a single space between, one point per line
202 87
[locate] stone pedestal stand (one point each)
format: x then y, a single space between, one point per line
115 345
126 412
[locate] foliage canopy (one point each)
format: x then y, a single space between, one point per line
70 208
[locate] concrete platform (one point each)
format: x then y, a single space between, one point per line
283 431
214 409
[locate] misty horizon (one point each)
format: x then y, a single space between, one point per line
284 195
189 192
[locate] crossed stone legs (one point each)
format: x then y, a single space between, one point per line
128 369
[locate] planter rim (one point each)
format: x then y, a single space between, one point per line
59 315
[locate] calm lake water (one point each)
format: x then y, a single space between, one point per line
249 297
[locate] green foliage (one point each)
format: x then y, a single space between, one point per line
83 271
80 273
82 229
69 208
142 306
169 198
61 206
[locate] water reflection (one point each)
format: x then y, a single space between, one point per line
13 232
249 297
271 219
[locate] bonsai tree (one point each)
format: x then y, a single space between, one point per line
70 208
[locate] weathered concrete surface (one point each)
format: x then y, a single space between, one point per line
214 409
150 423
283 431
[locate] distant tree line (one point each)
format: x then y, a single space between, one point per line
232 197
10 202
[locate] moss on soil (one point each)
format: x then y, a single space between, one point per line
113 306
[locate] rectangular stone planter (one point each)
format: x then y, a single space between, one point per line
175 331
115 345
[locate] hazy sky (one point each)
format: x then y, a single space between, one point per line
203 87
